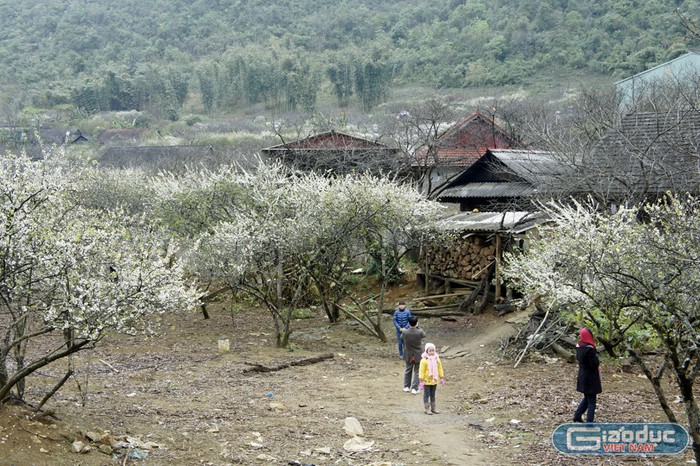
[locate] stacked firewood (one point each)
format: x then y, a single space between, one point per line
464 258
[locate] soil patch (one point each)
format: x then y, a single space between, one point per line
174 399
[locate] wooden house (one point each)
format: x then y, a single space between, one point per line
458 148
337 153
505 179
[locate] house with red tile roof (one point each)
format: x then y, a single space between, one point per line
337 153
440 161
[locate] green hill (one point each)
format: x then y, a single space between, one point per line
153 54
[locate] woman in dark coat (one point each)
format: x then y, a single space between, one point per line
588 381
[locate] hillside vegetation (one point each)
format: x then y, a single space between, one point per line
153 54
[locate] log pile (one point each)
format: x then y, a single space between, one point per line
464 258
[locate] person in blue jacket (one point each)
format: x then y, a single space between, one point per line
401 315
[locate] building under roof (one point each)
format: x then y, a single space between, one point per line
336 152
677 70
505 176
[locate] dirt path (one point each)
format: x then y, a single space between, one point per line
177 400
450 435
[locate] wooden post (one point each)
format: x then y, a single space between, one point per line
427 270
498 268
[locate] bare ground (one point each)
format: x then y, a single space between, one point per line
179 401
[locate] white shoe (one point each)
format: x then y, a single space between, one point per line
415 392
406 389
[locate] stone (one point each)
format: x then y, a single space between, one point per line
353 427
77 446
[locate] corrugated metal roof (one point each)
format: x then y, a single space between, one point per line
496 189
491 222
689 60
531 165
507 173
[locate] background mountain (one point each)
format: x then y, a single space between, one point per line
156 54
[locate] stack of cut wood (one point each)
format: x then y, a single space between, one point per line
466 258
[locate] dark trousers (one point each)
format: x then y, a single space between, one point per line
429 393
410 375
587 404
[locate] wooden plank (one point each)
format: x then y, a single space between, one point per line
437 296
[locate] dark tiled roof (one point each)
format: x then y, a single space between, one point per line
169 157
648 154
506 173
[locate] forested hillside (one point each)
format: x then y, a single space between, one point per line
152 54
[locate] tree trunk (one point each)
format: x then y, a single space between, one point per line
328 310
656 384
6 388
691 410
282 340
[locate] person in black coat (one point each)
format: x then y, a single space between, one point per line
588 381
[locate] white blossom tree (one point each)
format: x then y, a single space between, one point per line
292 239
71 272
634 281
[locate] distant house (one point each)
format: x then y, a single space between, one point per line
337 153
506 179
679 69
172 158
34 141
458 148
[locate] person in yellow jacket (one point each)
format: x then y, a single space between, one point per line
430 373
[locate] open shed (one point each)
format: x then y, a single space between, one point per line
472 256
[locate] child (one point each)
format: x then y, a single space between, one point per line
401 315
430 374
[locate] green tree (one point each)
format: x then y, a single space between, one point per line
340 74
207 86
372 80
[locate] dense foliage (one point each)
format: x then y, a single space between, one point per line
151 54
